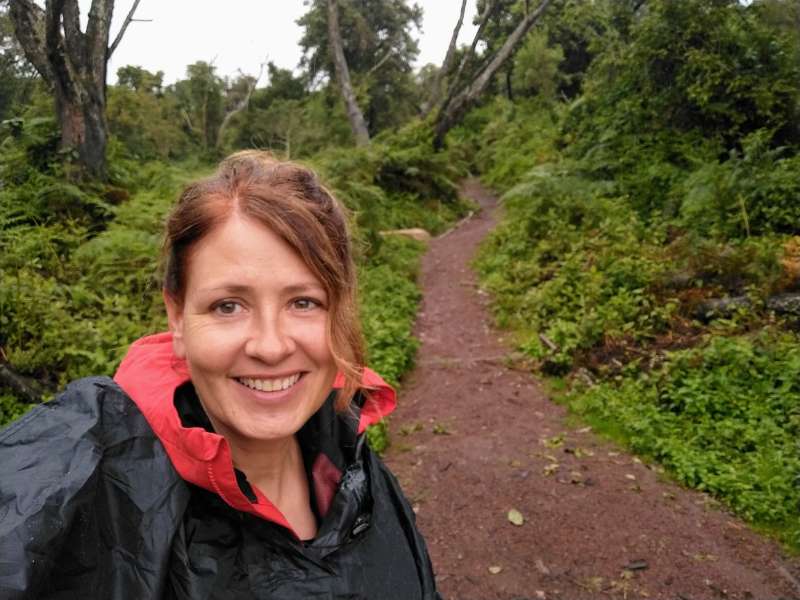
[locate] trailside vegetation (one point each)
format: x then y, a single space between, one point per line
649 260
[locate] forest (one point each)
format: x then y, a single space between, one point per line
648 157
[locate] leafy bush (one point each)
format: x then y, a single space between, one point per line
571 263
724 418
503 140
389 297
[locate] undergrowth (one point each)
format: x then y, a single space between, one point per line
78 286
723 418
651 290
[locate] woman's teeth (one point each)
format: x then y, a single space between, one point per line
269 385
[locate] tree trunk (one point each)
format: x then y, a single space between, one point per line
448 60
457 105
73 63
84 128
354 114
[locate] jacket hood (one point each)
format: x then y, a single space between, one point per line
150 373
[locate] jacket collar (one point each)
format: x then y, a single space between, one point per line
150 373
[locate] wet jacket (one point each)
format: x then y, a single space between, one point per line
120 489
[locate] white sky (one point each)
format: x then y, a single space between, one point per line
240 34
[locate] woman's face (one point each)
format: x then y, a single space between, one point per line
252 328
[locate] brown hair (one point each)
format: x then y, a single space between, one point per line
288 199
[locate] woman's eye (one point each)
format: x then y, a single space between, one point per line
227 307
305 304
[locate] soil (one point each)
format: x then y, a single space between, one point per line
474 438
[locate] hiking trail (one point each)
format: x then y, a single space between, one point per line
473 438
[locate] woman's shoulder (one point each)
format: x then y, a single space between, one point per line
93 408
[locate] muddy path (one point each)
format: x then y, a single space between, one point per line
473 438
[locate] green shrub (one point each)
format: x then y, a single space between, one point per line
570 262
389 297
724 418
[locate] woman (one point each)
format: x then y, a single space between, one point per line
227 458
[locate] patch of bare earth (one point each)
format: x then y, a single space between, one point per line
473 439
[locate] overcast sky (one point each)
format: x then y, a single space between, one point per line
240 34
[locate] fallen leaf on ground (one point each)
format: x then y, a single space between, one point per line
551 468
495 569
439 429
593 584
581 452
515 517
630 476
541 567
555 441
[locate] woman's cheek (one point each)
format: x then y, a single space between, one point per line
210 342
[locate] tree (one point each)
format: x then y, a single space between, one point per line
143 117
379 51
202 103
460 99
354 114
73 63
140 80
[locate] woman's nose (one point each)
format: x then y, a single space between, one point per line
269 340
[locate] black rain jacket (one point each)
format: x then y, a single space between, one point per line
91 506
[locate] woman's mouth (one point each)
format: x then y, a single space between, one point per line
277 384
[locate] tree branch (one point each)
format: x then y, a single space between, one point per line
74 40
453 109
240 106
383 59
29 28
124 27
54 42
448 59
465 60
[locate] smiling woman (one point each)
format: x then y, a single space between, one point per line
227 459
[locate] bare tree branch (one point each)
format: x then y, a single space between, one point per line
122 29
97 32
354 114
241 105
54 42
379 64
448 59
488 10
457 104
73 36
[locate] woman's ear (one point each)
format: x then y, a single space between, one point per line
175 320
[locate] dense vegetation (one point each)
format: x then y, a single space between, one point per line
649 256
648 154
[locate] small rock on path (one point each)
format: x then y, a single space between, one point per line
474 439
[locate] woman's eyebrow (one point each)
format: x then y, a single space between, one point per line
234 288
238 288
299 288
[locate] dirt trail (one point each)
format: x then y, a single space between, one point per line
468 446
